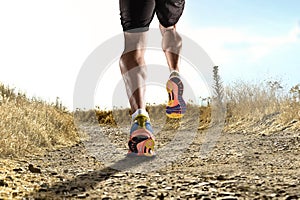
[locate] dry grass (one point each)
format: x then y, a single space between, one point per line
262 107
32 125
251 107
251 101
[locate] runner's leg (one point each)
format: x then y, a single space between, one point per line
171 45
133 69
136 16
168 13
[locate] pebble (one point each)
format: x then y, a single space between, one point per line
53 173
227 198
201 184
118 175
142 186
17 170
82 196
3 183
34 169
292 197
227 193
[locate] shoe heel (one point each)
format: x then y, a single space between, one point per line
146 148
177 112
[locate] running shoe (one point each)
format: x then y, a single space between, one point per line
141 142
176 107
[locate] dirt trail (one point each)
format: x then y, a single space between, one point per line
240 166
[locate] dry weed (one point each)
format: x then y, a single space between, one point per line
32 125
262 107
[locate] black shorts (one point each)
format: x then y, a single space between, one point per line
136 15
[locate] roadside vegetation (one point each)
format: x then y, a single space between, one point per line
31 125
254 107
267 107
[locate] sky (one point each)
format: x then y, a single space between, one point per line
250 39
43 44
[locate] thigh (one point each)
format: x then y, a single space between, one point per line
169 11
136 15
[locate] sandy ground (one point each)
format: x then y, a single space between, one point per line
239 166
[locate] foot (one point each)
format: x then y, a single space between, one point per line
141 142
176 105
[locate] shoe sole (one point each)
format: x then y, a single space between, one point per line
149 144
144 148
182 103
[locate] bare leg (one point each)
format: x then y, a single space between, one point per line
133 69
171 45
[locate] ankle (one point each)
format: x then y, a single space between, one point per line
174 73
139 112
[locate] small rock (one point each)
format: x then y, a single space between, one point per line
3 184
228 198
142 186
202 184
161 196
44 185
119 175
9 178
14 194
106 198
188 195
33 169
227 193
150 194
213 190
221 178
156 175
169 188
17 170
82 196
54 173
43 190
294 197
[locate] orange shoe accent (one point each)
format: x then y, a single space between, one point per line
176 106
142 141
